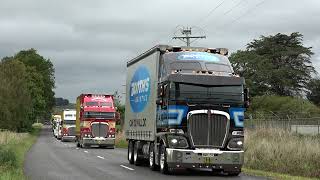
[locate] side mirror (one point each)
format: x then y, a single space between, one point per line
246 97
117 116
160 90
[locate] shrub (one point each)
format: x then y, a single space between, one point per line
283 104
37 125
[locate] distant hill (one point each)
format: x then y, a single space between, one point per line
61 101
62 104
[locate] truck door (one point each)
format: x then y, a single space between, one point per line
162 105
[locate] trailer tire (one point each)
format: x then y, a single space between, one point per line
130 151
164 169
152 161
136 158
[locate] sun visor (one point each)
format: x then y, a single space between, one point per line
206 80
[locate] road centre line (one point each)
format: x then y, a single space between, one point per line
86 151
127 167
100 157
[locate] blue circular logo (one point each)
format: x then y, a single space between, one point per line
140 89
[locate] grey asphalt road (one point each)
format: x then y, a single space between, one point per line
50 159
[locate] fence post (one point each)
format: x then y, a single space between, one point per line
318 126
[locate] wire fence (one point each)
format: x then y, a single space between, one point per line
300 123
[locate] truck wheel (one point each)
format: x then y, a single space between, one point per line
130 151
152 161
163 160
136 159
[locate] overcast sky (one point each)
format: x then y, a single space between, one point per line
89 42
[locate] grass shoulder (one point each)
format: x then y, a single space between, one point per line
13 147
273 175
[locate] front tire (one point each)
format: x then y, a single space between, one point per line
152 164
130 151
163 160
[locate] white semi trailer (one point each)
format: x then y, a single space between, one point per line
185 109
56 126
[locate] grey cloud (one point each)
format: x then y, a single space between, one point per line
89 42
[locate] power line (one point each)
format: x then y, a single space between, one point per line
202 19
227 12
233 7
245 13
242 15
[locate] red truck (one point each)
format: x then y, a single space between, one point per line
96 117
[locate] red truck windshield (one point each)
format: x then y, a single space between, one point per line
99 115
103 104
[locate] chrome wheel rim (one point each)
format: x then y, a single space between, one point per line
130 152
135 155
162 160
151 157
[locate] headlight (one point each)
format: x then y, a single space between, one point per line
235 144
177 142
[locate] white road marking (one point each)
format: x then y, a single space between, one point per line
100 157
86 151
77 148
127 167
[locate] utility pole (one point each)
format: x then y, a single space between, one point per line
186 36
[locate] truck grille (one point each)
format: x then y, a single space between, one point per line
72 131
208 131
99 129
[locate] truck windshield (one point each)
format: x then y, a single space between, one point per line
69 122
99 115
107 104
218 67
92 103
206 94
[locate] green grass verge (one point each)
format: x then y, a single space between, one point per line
121 141
280 151
14 171
273 175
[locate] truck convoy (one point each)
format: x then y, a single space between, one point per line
56 126
96 120
185 109
68 125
